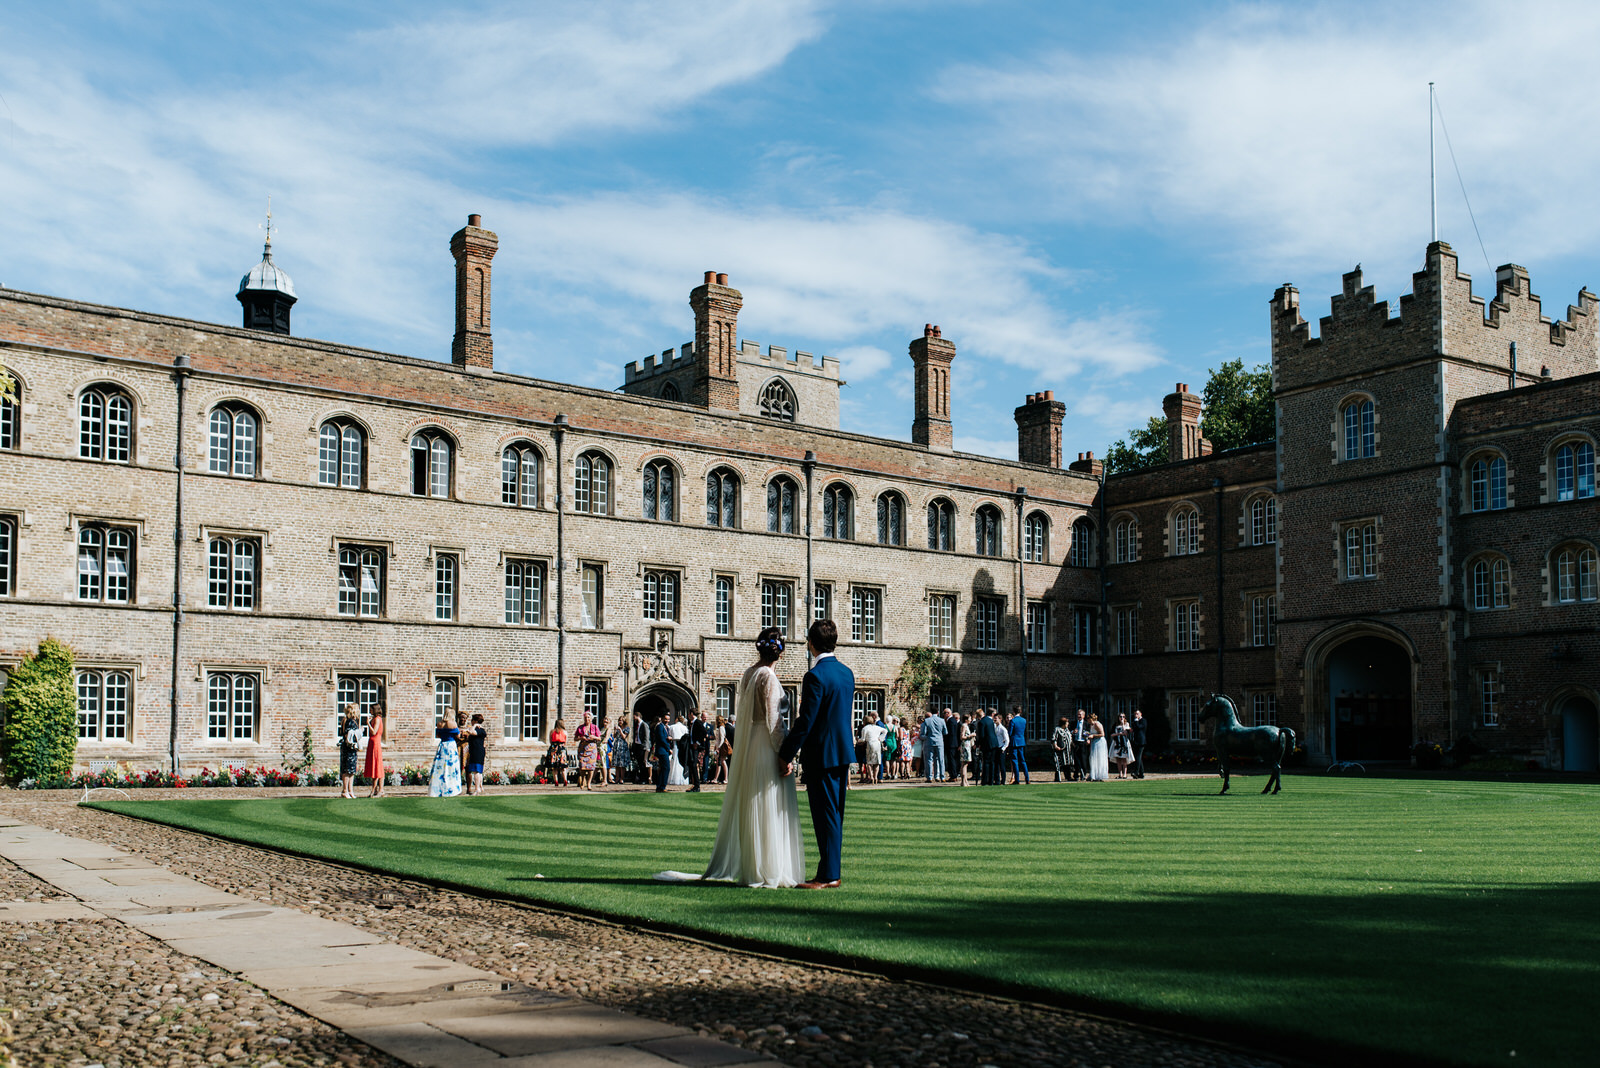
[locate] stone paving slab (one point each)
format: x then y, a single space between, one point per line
424 1009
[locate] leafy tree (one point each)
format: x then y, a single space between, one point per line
40 735
1238 406
922 670
1143 447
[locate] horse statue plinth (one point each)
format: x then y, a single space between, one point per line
1272 744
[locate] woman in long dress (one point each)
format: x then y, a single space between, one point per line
676 776
374 765
1099 766
444 779
758 835
1122 744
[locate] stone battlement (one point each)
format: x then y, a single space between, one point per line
775 357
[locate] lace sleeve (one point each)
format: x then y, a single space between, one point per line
768 693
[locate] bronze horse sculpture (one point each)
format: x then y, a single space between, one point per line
1271 744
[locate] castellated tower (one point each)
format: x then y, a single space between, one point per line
1039 429
473 248
932 355
716 328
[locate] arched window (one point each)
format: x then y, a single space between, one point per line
1486 484
986 530
1186 531
520 475
1082 551
1127 536
341 455
1575 575
941 525
1264 521
661 491
105 425
891 519
1575 471
1490 583
1360 430
10 412
430 463
670 392
777 401
105 564
1036 538
838 512
591 484
233 440
782 493
722 498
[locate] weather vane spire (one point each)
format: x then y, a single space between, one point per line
268 227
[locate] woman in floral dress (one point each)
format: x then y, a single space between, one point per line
587 737
445 778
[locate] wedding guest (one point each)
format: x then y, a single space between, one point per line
444 780
1019 749
1061 750
643 737
1099 767
721 750
374 765
902 752
988 749
461 744
1122 744
587 737
968 744
349 749
872 735
952 745
477 736
699 750
556 756
891 749
1141 736
661 746
1080 746
933 747
620 754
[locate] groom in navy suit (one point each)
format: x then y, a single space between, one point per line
823 737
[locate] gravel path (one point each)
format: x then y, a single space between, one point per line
801 1014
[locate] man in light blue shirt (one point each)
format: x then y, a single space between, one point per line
933 730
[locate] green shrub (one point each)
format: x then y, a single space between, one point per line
40 735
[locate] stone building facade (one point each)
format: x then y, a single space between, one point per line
238 530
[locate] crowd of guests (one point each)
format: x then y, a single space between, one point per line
966 749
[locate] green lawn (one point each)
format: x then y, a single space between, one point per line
1451 921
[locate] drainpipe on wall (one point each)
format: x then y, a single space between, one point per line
1022 593
809 466
560 433
1222 645
180 377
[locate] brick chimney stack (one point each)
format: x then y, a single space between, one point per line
474 249
1039 429
1088 464
931 355
1183 425
716 350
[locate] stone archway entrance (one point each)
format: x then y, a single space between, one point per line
1580 735
1369 699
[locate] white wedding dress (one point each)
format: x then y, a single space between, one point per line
676 776
758 835
1099 765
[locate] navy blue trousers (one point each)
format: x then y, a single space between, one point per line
825 790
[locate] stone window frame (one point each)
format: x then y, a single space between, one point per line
650 468
235 407
1170 530
1485 454
1249 634
590 453
16 519
944 609
544 686
775 483
1488 693
1036 536
981 606
774 392
773 582
718 623
1568 437
947 509
107 390
1579 547
522 447
885 503
1341 549
1492 560
435 436
11 412
1083 552
664 577
385 551
1195 624
837 486
134 672
342 421
544 564
875 592
1129 522
725 474
1271 518
134 529
990 507
1130 610
1339 419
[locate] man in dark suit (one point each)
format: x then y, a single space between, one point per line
1080 745
699 743
823 737
662 745
1141 735
641 749
952 744
989 749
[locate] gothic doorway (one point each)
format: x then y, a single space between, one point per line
1580 735
1369 699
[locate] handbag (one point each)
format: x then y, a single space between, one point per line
725 751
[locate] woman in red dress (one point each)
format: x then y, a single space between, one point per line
374 766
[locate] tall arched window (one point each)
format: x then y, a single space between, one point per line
1360 430
669 392
1264 521
1574 471
1185 531
1127 536
782 493
1486 484
520 475
591 484
891 519
1036 538
838 512
341 455
1491 583
233 441
941 525
722 498
661 491
430 463
777 401
10 412
105 425
986 530
1575 575
105 564
1082 554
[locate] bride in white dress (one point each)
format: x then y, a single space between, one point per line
758 836
1099 765
676 776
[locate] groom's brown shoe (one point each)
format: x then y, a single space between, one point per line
815 885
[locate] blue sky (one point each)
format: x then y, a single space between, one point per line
1094 199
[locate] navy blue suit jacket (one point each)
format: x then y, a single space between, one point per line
663 740
822 733
988 733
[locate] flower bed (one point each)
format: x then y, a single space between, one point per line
125 777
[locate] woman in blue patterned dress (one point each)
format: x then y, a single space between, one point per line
445 779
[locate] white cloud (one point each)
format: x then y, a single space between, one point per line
1293 137
860 362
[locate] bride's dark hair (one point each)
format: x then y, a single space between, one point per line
769 643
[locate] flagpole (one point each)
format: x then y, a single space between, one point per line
1433 183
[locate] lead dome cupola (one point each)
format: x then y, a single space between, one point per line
266 292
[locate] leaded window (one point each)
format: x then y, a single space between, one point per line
524 593
661 491
10 413
661 595
1127 535
777 401
1264 521
776 598
838 512
361 581
232 573
430 463
1186 531
864 605
1360 430
941 620
724 606
782 495
341 455
1036 539
591 485
105 563
520 475
722 498
941 525
1575 471
891 519
232 441
986 530
105 425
